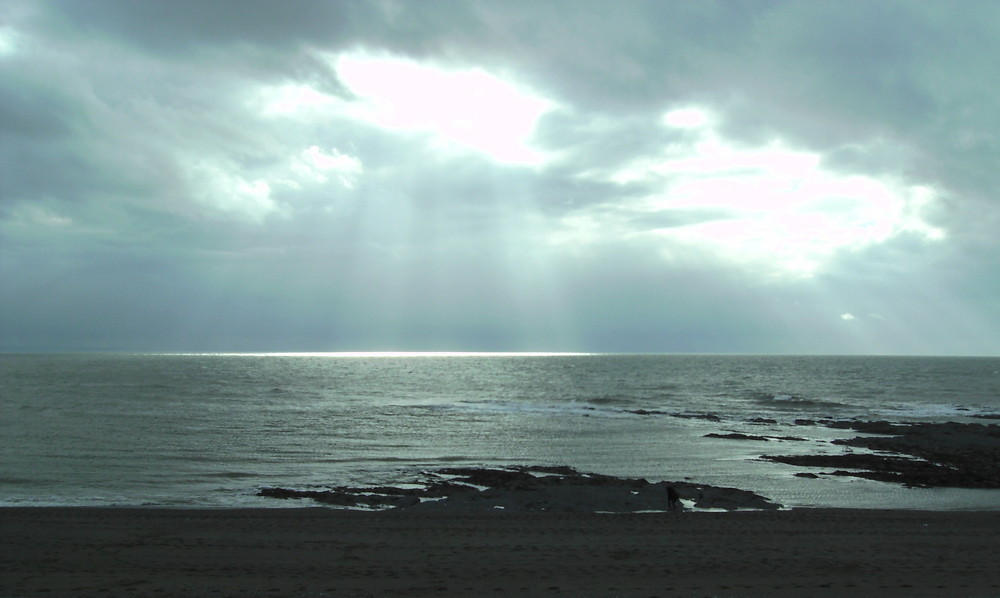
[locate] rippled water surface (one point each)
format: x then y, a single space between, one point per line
212 429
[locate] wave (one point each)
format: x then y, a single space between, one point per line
410 460
936 411
611 400
793 402
232 475
573 407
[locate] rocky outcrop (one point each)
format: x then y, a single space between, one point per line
529 488
923 455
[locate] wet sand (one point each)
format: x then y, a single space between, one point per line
326 552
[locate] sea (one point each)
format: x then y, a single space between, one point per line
211 430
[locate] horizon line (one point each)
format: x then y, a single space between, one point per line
384 354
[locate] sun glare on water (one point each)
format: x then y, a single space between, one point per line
396 354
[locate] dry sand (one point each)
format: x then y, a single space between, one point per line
324 552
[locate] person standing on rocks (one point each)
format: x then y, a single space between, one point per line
673 499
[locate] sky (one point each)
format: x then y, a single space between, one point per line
745 176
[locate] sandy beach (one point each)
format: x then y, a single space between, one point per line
327 552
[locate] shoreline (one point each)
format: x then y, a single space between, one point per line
319 551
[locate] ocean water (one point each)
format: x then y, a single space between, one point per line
210 430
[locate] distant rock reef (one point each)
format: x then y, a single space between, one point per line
924 455
528 488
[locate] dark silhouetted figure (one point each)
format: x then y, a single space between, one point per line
673 499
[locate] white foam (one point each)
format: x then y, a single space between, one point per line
576 408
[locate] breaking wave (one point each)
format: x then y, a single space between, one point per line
793 402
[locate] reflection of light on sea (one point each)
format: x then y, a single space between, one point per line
396 354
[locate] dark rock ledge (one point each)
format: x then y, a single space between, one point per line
923 455
529 488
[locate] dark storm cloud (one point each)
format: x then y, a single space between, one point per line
190 175
179 26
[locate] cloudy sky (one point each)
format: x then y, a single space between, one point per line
742 176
